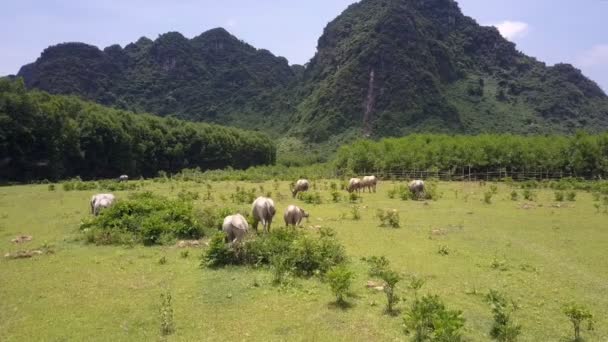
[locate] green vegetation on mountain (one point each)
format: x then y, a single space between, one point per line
383 68
54 137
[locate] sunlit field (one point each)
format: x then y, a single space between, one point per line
542 253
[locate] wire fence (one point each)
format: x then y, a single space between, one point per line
475 175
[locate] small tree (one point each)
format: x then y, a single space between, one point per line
429 320
503 328
390 278
340 280
578 314
167 327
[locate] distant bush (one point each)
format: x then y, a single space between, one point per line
429 320
51 187
355 213
379 267
311 197
146 218
388 218
336 197
185 195
514 195
559 196
443 250
242 196
167 326
487 197
571 196
529 195
353 197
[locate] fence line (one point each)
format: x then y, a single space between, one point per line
468 175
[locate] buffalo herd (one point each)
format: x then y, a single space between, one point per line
263 209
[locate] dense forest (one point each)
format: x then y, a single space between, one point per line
581 155
383 68
52 137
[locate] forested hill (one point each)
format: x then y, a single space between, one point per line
53 137
383 68
213 77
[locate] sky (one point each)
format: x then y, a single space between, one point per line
570 31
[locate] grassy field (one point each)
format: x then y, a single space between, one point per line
551 254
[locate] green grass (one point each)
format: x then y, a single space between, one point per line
84 292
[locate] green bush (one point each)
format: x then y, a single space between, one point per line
487 197
51 187
429 320
559 196
336 197
443 250
377 265
514 195
355 213
571 196
340 279
242 196
388 218
353 197
503 328
578 314
146 218
167 326
311 197
379 268
529 195
185 195
304 255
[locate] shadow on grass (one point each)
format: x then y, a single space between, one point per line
340 305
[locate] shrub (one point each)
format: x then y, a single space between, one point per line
529 195
340 279
146 218
185 195
242 196
311 197
353 197
218 253
503 328
167 327
51 187
280 266
388 218
571 196
429 320
303 254
514 195
355 213
390 278
162 260
377 265
184 254
333 186
578 314
494 189
336 197
559 196
443 250
487 197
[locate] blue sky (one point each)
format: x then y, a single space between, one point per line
572 31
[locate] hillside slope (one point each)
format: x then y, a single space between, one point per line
382 68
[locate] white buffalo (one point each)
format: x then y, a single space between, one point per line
417 188
123 178
354 185
263 210
369 182
235 227
302 185
100 201
294 215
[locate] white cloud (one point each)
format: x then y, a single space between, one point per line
512 30
596 56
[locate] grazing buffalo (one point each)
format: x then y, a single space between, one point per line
302 185
369 182
235 227
293 215
263 210
354 184
417 188
100 201
123 178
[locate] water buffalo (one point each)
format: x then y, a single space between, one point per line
96 202
123 178
302 185
417 188
293 215
263 210
354 185
369 182
235 227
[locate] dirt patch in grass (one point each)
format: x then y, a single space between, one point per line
22 239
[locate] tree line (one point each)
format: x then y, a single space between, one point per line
45 136
581 154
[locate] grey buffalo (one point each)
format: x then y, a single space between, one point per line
417 188
369 182
100 201
294 215
235 227
354 185
263 210
302 185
